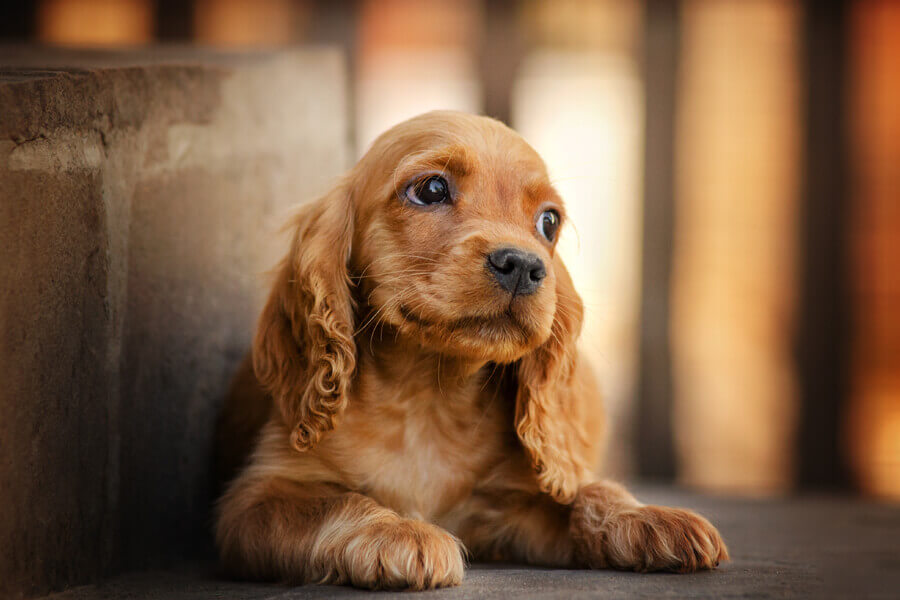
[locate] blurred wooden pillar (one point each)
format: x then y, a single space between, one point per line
874 417
737 149
17 20
653 415
503 48
822 341
174 20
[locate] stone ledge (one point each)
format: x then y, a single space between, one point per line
140 197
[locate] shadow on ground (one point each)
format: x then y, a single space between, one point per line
811 547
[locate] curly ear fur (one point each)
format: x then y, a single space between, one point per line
304 354
548 413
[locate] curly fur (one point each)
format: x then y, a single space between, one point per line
403 407
304 354
545 421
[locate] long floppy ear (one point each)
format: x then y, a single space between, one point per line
304 354
548 415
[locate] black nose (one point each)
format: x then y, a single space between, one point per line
517 271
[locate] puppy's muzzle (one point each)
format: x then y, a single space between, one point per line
517 271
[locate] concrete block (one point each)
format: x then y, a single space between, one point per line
140 197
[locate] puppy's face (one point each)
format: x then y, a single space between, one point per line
456 229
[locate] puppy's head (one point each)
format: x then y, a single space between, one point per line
445 231
454 242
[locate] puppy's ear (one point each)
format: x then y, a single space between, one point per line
304 354
548 411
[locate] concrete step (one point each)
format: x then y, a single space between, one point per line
140 197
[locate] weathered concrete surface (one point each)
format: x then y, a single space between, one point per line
139 200
797 548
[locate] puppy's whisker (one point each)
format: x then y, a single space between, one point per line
396 257
392 303
401 255
371 318
447 162
386 273
488 379
395 273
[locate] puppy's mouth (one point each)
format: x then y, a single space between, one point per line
504 320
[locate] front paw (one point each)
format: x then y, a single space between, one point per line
651 538
408 554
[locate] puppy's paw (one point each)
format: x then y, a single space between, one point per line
408 554
650 538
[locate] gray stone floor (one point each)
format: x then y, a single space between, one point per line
806 547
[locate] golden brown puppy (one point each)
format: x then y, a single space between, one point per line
416 388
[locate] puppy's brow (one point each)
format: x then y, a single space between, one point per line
456 159
539 189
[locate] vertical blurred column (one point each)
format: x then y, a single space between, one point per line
95 22
737 163
654 445
253 23
579 101
874 419
414 56
822 330
17 21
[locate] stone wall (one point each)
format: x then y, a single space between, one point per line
140 196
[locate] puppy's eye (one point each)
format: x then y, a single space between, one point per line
548 224
433 190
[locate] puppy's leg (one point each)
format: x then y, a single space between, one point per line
612 529
604 527
278 529
517 526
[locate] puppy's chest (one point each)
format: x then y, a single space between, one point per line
422 455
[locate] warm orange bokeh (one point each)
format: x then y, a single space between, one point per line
874 419
254 23
95 22
737 182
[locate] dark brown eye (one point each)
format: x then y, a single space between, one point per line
548 224
433 190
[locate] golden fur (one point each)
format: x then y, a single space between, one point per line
406 408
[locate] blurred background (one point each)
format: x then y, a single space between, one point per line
732 168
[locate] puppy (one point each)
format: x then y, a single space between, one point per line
415 389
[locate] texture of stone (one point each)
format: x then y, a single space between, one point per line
140 198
